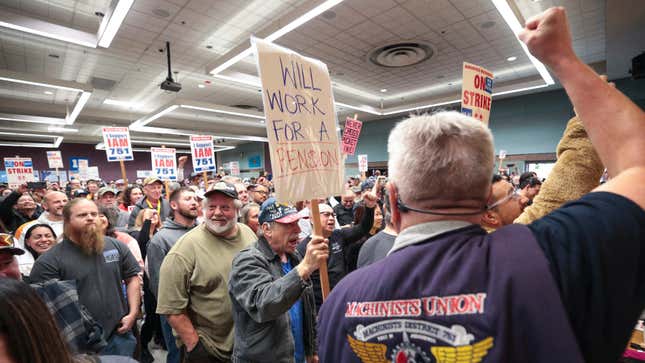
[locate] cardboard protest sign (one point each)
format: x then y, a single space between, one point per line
476 92
301 124
164 163
93 173
55 159
83 165
235 168
362 163
19 171
201 148
350 135
117 143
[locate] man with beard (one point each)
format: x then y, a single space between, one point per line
273 298
193 279
53 203
99 265
185 207
259 193
152 187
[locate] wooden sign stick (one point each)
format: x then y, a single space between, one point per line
205 177
125 178
165 182
314 214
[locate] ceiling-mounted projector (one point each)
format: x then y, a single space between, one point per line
169 84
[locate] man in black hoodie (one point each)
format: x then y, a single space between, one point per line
185 207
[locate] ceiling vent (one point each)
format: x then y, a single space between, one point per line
402 54
103 83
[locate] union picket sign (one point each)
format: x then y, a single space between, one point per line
476 92
117 144
201 148
164 163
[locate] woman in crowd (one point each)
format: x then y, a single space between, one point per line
131 196
249 216
36 238
351 254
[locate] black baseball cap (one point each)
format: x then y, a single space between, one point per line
222 187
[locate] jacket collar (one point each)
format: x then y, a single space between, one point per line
424 231
264 247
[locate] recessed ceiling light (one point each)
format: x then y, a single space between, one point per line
510 59
383 90
201 85
49 92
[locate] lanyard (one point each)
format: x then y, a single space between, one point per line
158 207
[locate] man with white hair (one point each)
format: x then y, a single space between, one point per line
193 291
543 292
53 203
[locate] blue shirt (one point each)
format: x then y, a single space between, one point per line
295 313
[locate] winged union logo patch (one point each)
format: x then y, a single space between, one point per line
413 334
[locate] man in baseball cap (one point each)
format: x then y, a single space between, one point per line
202 317
152 188
270 286
8 261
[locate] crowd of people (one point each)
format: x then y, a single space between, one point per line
439 259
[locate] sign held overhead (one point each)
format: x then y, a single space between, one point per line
201 149
164 163
301 124
476 92
55 159
350 135
19 171
117 144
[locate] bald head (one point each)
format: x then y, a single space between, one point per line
53 203
347 199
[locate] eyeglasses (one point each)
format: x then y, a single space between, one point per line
513 194
261 192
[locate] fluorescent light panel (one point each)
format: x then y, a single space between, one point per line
57 140
114 23
144 121
47 34
60 129
40 84
280 32
215 110
85 96
109 101
303 19
513 23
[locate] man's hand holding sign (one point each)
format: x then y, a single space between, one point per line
301 128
